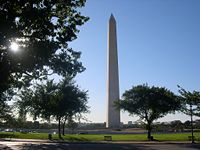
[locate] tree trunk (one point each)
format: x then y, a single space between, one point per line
149 128
59 128
192 127
149 135
64 126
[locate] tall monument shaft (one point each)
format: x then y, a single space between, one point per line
113 116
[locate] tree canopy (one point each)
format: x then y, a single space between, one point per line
190 99
149 103
42 30
53 100
190 102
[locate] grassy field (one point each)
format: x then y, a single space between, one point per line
100 137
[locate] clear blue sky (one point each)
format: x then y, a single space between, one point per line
158 44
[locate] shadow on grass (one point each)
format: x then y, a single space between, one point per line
71 139
10 135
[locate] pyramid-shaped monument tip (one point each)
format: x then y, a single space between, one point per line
112 18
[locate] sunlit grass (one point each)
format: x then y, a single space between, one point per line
100 137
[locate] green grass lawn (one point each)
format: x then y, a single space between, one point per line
100 137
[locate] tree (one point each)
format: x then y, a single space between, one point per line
190 105
177 125
5 110
42 30
149 103
71 124
74 98
60 101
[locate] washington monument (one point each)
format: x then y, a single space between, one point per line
113 116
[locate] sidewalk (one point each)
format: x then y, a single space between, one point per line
93 142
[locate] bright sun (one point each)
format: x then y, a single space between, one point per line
14 47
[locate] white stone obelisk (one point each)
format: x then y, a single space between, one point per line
113 116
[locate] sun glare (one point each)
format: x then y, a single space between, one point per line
14 47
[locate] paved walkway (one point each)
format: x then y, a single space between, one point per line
118 142
132 145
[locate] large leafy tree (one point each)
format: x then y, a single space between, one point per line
190 104
149 103
60 101
74 98
42 30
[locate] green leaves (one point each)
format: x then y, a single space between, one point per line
149 103
44 28
189 99
54 100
